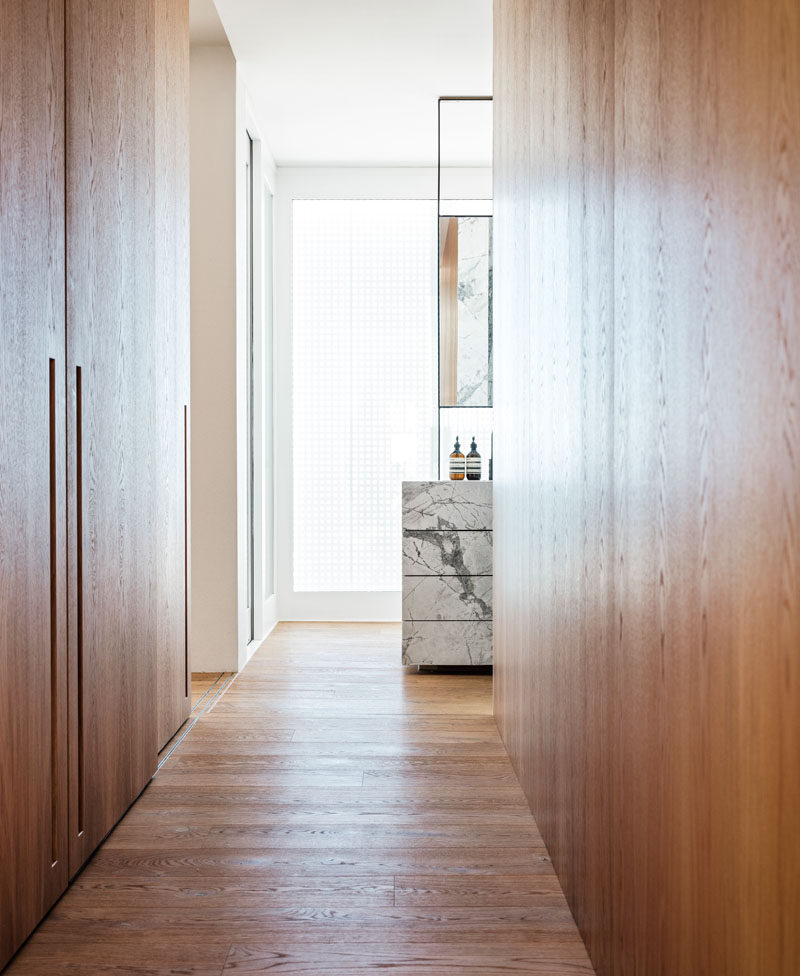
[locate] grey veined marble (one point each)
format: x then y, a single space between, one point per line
474 310
447 642
429 552
447 598
447 573
447 504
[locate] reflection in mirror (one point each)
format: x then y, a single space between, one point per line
465 311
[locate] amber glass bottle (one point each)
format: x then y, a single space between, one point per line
457 463
473 462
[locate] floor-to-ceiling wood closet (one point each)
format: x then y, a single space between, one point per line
93 416
647 468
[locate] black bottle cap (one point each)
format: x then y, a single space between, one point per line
457 447
473 446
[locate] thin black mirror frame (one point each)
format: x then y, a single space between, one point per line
439 214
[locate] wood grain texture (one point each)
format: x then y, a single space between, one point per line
448 311
647 601
202 683
33 646
93 146
171 352
111 337
437 869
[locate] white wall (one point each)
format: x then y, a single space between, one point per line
219 123
247 127
213 370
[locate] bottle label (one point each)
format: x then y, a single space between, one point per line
473 465
457 466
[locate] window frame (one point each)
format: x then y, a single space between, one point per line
328 183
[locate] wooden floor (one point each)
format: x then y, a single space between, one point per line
331 813
204 683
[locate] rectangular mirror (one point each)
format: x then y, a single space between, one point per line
465 311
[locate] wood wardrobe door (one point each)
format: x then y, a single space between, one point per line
171 396
33 687
111 420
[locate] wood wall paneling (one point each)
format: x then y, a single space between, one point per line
512 181
112 340
33 766
659 512
172 356
647 619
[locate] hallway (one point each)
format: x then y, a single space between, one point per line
329 813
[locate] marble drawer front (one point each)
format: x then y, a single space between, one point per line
447 642
446 553
447 504
447 598
447 573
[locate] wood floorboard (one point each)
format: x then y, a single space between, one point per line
472 769
272 815
311 923
329 813
233 892
269 748
417 960
202 683
103 959
211 864
452 799
362 837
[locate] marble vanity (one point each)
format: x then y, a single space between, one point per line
447 572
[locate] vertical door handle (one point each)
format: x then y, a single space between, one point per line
79 587
54 726
186 548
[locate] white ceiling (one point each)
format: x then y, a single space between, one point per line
205 27
354 82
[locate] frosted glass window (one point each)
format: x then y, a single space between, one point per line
364 384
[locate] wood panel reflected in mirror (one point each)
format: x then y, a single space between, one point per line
465 311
